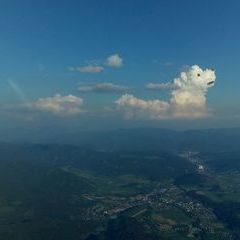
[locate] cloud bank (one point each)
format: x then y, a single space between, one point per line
135 107
59 105
187 98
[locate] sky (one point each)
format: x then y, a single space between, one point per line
81 65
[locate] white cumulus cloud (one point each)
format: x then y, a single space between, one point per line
135 107
114 61
187 97
60 105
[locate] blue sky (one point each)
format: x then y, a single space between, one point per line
41 41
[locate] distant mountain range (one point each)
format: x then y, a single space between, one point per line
154 139
225 139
